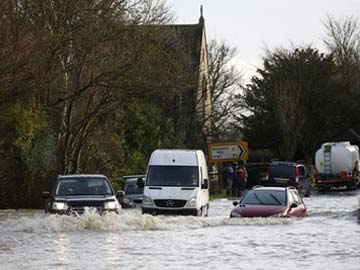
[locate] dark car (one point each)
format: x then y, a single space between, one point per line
133 191
284 174
270 201
71 194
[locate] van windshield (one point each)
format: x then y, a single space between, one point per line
185 176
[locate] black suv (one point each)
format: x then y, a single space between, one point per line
71 194
283 174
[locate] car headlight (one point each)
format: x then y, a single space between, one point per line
147 201
192 202
60 206
110 205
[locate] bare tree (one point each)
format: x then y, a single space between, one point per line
288 107
90 59
149 12
343 40
224 85
17 57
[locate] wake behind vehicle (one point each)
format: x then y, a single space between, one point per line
71 194
176 183
269 202
133 191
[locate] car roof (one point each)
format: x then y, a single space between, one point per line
274 188
270 188
82 176
134 176
130 180
285 163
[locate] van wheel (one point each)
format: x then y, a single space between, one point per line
203 211
207 211
200 212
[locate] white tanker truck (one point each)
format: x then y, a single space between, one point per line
338 165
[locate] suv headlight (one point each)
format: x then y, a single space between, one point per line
147 201
110 205
192 202
60 206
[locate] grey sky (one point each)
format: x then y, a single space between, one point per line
252 25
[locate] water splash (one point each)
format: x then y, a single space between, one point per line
126 221
90 220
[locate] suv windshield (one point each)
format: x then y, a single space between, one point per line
266 197
186 176
83 186
131 187
285 171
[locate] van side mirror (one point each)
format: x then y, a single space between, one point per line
205 185
45 194
235 203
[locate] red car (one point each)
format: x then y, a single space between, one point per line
270 201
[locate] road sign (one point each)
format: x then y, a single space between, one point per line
228 151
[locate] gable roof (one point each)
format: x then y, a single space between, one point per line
190 35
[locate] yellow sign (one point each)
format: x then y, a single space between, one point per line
228 151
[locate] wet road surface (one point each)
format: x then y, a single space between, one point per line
328 238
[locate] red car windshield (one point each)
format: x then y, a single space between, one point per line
265 197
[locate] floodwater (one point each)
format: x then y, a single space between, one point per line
328 238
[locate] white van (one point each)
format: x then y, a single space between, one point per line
177 182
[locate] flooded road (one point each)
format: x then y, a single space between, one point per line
328 238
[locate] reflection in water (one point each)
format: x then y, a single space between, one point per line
111 247
62 248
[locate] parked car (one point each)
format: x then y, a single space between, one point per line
270 201
71 194
133 191
284 174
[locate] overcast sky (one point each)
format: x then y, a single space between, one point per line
252 25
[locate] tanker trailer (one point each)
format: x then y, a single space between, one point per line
337 164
